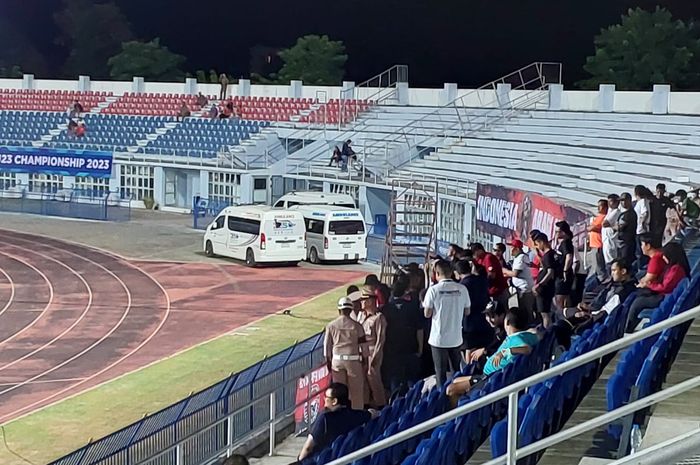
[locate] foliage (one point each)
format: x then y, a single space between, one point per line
149 60
11 72
647 48
315 60
213 77
18 52
92 32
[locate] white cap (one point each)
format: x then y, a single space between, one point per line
345 302
355 296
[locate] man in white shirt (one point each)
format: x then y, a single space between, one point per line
609 231
521 277
446 304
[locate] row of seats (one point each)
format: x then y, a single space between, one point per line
13 99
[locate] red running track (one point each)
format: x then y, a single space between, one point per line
73 316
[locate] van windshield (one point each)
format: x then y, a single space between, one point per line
346 227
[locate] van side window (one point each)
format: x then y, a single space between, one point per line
244 225
314 226
291 204
219 223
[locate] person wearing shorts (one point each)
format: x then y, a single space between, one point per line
565 254
545 287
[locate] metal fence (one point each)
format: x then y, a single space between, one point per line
213 421
69 204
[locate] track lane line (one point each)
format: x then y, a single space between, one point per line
12 291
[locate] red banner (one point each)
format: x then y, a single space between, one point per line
512 214
309 396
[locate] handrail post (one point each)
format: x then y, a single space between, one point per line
512 428
229 436
273 422
178 454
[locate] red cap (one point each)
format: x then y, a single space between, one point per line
516 243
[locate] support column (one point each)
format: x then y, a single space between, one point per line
83 83
114 178
190 86
138 85
660 99
28 81
246 189
295 89
556 92
503 95
348 91
606 98
448 94
203 184
23 179
244 87
159 185
68 182
402 93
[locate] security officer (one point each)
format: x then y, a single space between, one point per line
375 334
343 346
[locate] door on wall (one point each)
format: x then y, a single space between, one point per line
170 188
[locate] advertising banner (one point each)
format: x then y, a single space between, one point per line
309 397
56 161
512 214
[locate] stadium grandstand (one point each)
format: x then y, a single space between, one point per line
431 171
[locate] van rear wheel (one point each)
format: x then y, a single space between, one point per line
250 257
209 249
313 256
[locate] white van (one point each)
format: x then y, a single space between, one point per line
257 234
334 233
315 198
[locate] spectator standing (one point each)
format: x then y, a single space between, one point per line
403 347
521 278
544 288
641 208
565 255
476 332
499 250
337 419
498 285
446 304
455 253
595 241
375 336
355 296
346 154
627 230
223 82
652 293
688 210
343 347
609 231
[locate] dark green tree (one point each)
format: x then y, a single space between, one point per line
150 60
647 48
18 52
315 60
11 72
92 32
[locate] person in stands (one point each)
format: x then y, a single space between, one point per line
446 303
521 277
627 230
337 419
498 285
347 153
81 129
476 332
403 347
223 81
375 336
184 111
609 232
545 286
578 319
335 157
688 210
519 341
651 248
595 241
642 197
565 255
495 316
499 250
455 253
201 100
652 293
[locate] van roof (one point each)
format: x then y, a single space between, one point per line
310 195
253 209
323 208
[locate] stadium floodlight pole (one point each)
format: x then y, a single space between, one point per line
488 399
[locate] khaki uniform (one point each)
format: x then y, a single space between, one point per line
341 346
375 334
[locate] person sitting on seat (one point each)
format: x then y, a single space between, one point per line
336 419
184 111
336 157
688 210
652 293
578 319
519 341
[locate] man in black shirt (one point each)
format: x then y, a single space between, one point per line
476 331
337 419
627 230
550 269
496 317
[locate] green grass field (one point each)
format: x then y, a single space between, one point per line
61 428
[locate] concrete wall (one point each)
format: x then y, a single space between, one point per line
606 99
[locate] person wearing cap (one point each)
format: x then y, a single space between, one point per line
544 288
521 277
354 294
375 335
446 304
344 345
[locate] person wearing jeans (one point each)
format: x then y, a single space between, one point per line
446 304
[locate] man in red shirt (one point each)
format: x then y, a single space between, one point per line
498 284
651 247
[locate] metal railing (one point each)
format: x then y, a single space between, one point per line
512 391
379 88
211 422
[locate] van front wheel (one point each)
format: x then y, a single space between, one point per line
313 256
209 249
250 257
